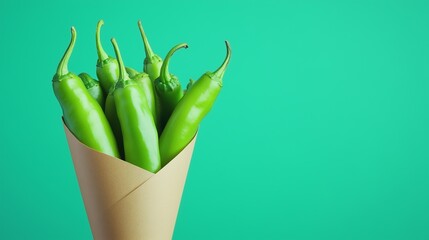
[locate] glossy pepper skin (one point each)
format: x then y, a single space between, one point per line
168 89
194 106
141 79
152 63
112 117
144 81
107 67
81 112
94 88
136 120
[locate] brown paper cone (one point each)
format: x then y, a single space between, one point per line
123 201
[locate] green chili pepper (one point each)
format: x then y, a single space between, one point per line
112 116
141 79
81 112
107 67
94 88
152 62
146 84
136 120
144 81
168 89
131 72
194 106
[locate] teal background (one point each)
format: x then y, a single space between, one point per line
320 132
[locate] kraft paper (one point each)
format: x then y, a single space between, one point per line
124 201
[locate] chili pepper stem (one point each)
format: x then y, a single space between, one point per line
102 55
122 73
148 50
165 74
62 66
221 70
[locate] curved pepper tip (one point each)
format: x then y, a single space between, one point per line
73 31
221 70
148 50
62 68
164 73
102 55
228 46
100 23
115 44
122 72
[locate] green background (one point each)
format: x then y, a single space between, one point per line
320 132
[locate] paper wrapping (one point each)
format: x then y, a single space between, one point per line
123 201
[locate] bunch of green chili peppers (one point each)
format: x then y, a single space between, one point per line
145 118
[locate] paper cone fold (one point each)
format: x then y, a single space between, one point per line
124 201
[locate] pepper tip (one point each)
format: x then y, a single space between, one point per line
221 70
73 30
227 45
